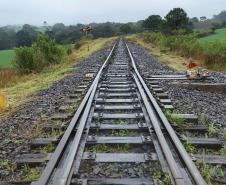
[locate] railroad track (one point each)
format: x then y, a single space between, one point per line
119 134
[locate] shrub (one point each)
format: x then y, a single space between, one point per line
185 45
24 60
42 53
52 52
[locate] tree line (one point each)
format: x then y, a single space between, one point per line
175 21
62 34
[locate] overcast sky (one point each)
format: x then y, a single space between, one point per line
86 11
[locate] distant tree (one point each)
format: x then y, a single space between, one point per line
220 17
223 24
26 36
7 38
153 23
126 28
138 26
64 34
216 25
108 30
105 29
194 20
203 18
206 25
58 27
177 19
11 36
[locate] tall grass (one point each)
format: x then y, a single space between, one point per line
6 76
210 54
214 54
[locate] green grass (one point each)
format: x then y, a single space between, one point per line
6 57
220 35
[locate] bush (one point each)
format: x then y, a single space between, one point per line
185 45
42 53
52 52
24 60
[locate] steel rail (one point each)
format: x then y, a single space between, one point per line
178 177
194 172
85 104
174 168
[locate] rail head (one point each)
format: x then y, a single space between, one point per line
194 172
55 158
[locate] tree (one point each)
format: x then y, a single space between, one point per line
125 28
105 29
58 26
26 36
223 24
194 20
153 23
220 17
177 19
216 25
7 38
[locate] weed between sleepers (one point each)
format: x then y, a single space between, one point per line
48 149
29 174
209 172
174 119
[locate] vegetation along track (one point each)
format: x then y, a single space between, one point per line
119 134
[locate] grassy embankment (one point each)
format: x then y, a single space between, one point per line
174 61
22 87
174 51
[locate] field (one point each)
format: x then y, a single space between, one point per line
219 36
6 57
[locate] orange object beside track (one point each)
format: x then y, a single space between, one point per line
192 65
3 102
